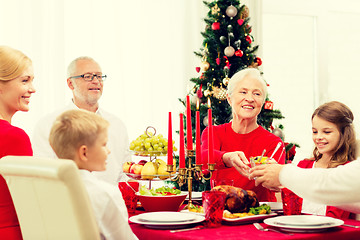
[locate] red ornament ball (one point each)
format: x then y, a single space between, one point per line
197 69
215 26
248 39
240 21
239 53
258 61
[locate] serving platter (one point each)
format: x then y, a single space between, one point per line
275 206
248 219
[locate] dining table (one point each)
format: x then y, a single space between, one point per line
245 230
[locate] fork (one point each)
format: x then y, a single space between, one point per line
261 228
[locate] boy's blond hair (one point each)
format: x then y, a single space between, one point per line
73 129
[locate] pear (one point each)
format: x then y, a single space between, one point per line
159 161
148 171
162 171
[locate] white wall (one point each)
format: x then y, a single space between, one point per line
309 49
310 52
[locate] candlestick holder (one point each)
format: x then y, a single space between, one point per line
189 173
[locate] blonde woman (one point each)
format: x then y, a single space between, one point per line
16 88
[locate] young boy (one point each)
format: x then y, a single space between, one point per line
81 136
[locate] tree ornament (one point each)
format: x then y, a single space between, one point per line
223 40
219 93
218 61
239 53
269 105
229 51
197 69
278 132
215 10
205 66
227 66
207 92
240 21
231 11
226 81
199 92
206 121
258 61
244 13
238 44
248 39
194 99
215 26
249 27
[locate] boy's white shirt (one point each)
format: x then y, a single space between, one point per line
109 208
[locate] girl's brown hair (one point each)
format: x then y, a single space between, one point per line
339 114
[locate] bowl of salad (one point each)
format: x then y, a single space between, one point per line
161 199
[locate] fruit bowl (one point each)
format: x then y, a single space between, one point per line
161 203
150 177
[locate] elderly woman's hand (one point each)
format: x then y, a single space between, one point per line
237 160
267 175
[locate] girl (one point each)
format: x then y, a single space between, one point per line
335 144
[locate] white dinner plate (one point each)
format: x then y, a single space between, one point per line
248 219
275 206
303 222
166 217
166 225
194 195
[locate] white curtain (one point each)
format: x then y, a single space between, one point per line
145 48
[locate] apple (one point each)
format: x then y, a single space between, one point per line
142 162
126 167
136 169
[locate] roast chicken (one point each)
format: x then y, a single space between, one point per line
238 200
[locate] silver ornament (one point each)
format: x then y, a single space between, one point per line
229 51
206 121
226 81
231 11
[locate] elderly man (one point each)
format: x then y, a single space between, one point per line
85 79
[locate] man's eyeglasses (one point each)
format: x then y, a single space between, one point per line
90 76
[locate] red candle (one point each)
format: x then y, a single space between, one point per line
170 144
210 136
198 140
182 143
188 124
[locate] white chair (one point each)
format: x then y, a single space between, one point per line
50 198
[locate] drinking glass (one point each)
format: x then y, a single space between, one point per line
128 190
213 205
292 203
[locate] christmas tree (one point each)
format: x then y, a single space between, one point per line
226 49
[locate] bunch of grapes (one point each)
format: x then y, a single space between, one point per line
149 143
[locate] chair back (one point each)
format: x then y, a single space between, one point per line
50 198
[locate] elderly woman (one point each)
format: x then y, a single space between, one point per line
16 78
235 142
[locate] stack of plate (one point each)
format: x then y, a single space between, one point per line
303 223
194 195
166 220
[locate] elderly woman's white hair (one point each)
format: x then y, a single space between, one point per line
239 76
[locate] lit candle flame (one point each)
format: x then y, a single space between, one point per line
209 103
197 104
